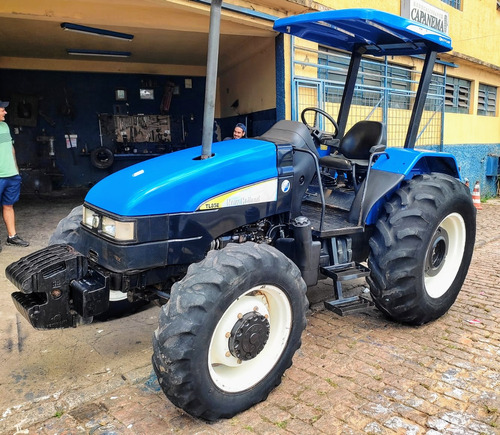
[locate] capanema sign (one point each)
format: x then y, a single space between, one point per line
424 13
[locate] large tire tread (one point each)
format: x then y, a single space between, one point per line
400 241
194 300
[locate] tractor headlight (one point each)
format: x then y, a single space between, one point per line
91 219
107 226
123 231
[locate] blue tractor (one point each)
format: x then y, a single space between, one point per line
229 244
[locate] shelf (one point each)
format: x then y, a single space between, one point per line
136 155
130 155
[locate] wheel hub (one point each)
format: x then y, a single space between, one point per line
249 336
436 255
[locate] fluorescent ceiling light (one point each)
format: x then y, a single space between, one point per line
97 32
103 53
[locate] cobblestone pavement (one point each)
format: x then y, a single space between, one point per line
359 374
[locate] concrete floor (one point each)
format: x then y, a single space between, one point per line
355 374
37 365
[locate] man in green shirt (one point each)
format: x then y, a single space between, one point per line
10 180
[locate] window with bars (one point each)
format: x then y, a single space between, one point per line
434 100
384 91
487 100
399 82
457 95
373 78
335 66
457 4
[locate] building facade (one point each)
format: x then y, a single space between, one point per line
462 112
262 77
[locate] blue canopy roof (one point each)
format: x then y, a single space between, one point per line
381 33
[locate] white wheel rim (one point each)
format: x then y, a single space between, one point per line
437 285
227 372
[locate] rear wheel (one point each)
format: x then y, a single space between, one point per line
230 330
421 249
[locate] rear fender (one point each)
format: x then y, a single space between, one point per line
411 162
390 170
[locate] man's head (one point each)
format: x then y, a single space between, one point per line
239 131
3 112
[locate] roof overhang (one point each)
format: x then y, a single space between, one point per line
169 36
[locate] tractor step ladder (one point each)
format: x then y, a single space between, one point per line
346 272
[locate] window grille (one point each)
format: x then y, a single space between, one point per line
457 95
487 100
383 92
373 78
435 94
400 82
457 4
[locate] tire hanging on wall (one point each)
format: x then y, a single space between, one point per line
102 157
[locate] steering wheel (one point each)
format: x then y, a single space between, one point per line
320 135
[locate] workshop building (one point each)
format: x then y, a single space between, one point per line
96 86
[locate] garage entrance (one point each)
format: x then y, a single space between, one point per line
147 81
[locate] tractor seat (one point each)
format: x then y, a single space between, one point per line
355 148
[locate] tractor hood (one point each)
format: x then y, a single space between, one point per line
181 181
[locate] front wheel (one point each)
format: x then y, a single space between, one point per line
230 330
421 249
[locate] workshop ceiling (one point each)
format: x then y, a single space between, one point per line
166 32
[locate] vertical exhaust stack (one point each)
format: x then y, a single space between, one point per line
211 81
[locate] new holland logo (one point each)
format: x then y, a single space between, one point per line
264 191
285 186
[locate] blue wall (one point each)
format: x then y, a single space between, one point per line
88 94
280 77
472 160
257 123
